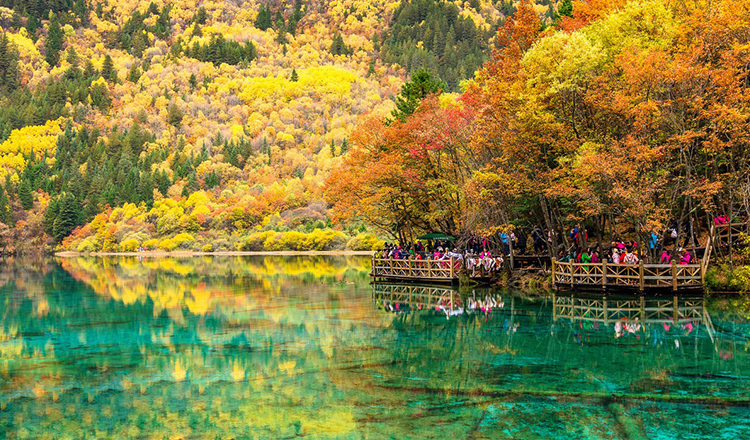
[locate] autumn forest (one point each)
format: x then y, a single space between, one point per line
321 125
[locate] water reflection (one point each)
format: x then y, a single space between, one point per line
272 347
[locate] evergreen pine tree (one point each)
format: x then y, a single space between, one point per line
134 74
108 69
294 77
413 92
54 42
264 21
25 195
6 216
68 217
174 115
566 8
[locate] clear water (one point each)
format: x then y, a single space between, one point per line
284 347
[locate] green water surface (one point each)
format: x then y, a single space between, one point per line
288 347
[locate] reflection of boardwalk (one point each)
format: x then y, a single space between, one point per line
412 295
647 310
673 310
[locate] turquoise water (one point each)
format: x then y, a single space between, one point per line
286 347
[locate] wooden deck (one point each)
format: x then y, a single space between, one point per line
424 271
635 277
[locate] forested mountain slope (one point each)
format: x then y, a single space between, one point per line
176 125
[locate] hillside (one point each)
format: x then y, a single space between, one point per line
173 125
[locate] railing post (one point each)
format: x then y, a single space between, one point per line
452 270
604 273
674 276
640 275
554 282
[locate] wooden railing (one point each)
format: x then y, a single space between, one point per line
426 270
638 276
731 231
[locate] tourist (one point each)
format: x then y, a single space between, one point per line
686 257
630 258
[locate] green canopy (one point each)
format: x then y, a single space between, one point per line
436 236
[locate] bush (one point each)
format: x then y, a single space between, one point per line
254 241
130 245
167 245
207 248
86 245
183 241
364 242
151 244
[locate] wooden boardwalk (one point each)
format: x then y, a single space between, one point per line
634 277
424 271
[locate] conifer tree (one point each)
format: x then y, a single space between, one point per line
566 8
264 21
6 216
68 217
108 69
25 195
54 42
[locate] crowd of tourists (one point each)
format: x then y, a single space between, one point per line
482 255
476 259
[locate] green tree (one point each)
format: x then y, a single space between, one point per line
174 115
566 8
9 79
68 217
108 69
54 42
264 20
134 74
25 195
294 77
413 92
6 216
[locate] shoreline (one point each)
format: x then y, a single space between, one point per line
162 254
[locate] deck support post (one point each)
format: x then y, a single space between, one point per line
641 283
554 283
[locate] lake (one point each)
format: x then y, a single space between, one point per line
284 347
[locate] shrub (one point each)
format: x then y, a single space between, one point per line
151 244
86 245
364 242
167 245
130 245
207 248
183 241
